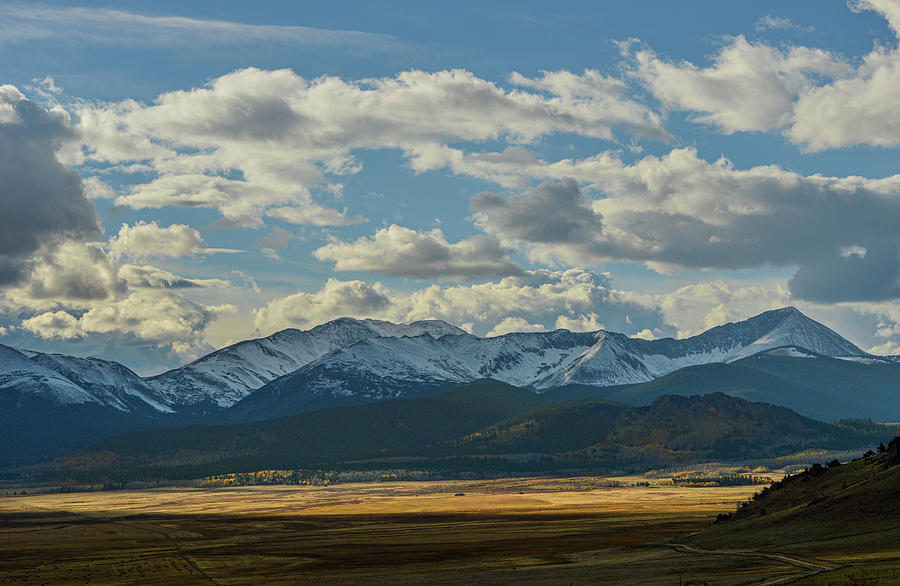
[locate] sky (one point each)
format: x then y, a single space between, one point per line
176 177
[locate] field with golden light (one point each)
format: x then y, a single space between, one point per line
500 531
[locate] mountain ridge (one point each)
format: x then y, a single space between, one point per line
229 374
380 368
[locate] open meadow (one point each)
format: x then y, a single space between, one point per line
576 530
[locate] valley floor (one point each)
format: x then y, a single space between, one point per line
499 531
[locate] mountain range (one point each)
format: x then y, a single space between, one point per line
350 361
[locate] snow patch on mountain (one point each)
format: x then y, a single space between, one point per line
794 352
19 374
110 383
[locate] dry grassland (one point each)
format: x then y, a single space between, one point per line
501 531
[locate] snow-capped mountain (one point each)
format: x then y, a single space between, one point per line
67 380
52 402
379 368
111 383
23 380
370 359
226 376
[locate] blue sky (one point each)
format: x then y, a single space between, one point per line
180 176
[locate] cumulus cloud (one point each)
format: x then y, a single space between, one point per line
76 290
647 334
681 211
335 299
258 143
161 317
861 109
589 322
748 86
75 271
54 324
41 202
537 298
148 239
818 100
889 348
402 252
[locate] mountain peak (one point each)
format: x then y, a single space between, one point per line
789 326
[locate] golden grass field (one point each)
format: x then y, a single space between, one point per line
500 531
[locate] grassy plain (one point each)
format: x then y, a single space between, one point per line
575 530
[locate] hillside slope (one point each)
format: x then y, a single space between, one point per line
838 506
559 428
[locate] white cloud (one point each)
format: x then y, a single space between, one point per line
816 99
748 87
861 109
76 290
646 334
889 9
399 251
148 240
515 167
335 299
578 300
259 143
889 348
54 324
8 114
583 323
161 317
